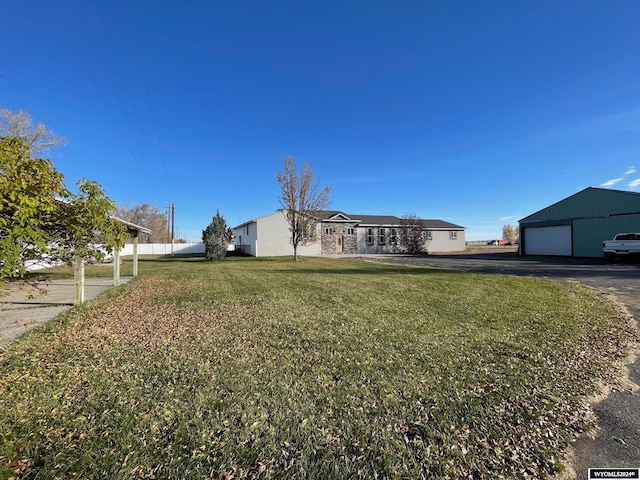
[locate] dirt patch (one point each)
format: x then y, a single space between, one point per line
616 405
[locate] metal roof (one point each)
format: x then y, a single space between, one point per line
591 202
132 227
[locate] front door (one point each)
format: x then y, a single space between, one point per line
339 244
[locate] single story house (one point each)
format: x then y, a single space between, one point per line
337 232
577 225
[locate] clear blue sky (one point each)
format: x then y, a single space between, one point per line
477 113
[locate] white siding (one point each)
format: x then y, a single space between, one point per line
245 238
269 236
441 241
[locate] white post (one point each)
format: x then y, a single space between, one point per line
116 267
135 254
78 280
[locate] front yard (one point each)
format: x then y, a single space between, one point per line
318 369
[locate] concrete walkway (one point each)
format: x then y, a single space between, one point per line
19 313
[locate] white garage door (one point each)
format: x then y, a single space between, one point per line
548 240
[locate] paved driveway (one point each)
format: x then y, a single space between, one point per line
618 441
19 313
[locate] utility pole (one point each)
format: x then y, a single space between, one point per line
169 223
173 225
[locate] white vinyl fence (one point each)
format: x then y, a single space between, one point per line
163 248
143 249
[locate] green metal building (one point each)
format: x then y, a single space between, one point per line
577 225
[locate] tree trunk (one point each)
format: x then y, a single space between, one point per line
295 253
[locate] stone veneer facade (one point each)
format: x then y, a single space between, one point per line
330 233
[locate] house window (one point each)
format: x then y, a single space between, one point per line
369 235
349 231
246 229
381 236
328 231
393 238
429 235
453 235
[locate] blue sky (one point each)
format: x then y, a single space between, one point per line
477 113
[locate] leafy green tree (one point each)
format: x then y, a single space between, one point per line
30 189
216 238
301 200
42 220
87 229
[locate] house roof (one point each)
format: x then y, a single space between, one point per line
378 219
363 220
243 224
132 227
440 224
335 215
255 220
591 202
328 215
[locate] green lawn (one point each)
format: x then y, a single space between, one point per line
316 369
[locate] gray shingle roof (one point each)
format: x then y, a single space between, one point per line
435 224
326 214
378 219
386 220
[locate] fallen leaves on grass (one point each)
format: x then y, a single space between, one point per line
263 374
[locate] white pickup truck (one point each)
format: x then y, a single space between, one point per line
622 245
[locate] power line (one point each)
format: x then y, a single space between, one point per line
148 163
146 170
97 87
146 85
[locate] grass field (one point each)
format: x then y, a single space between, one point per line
320 369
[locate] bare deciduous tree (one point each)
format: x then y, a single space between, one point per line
149 216
19 124
301 200
413 235
509 233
